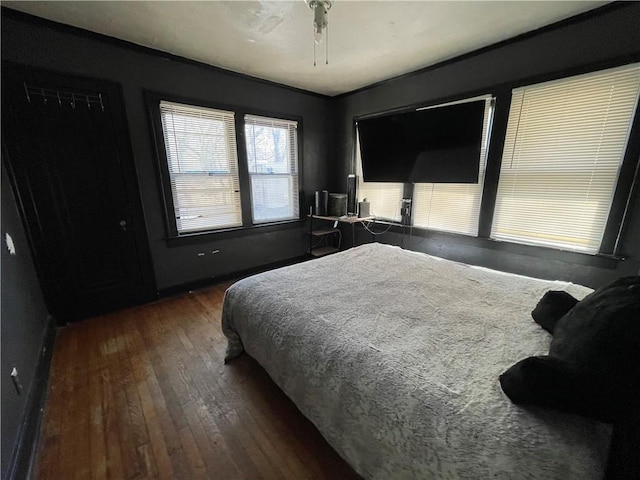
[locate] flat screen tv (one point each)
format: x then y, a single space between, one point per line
435 145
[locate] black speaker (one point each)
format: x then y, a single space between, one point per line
322 202
352 204
337 204
325 202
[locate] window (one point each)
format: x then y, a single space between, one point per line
272 157
385 198
564 145
202 169
200 145
452 207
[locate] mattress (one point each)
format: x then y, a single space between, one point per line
395 357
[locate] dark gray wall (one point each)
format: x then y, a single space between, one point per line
324 165
23 321
44 45
40 44
610 37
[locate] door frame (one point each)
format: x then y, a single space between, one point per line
127 165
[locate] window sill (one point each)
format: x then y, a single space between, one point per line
599 260
223 234
593 260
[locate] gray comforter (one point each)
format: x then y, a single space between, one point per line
395 357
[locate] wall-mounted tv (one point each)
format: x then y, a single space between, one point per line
434 145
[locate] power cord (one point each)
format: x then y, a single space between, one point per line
366 227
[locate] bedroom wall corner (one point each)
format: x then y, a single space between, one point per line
605 38
48 45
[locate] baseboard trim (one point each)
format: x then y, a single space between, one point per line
208 282
23 456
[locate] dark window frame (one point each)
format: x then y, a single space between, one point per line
609 253
625 184
172 237
255 174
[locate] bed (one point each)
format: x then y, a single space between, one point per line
395 357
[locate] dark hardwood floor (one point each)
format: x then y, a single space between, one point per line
144 393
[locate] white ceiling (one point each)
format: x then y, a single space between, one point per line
369 41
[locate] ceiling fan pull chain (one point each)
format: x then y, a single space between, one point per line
326 54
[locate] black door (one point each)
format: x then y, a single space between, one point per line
66 146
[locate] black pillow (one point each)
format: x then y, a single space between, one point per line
554 383
593 366
551 307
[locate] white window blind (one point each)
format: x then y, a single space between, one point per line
203 166
272 155
564 145
453 207
385 198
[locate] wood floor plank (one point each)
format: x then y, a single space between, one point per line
74 417
165 376
288 468
156 438
144 394
233 465
64 350
67 436
97 434
128 383
125 432
115 469
194 459
123 424
148 463
153 402
49 464
262 405
180 467
213 450
162 437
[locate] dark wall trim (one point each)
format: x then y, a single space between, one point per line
209 282
23 457
626 220
494 160
547 28
622 196
81 32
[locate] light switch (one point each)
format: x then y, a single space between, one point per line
10 245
